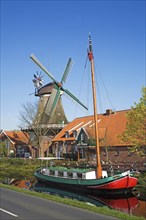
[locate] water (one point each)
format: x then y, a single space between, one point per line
132 203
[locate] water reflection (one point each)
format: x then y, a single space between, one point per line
125 203
23 183
133 203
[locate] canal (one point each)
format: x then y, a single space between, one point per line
133 203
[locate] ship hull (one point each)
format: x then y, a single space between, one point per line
112 184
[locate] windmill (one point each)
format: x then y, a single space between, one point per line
50 105
50 117
38 81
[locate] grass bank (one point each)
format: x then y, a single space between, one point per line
24 168
102 210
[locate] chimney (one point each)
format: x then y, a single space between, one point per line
108 111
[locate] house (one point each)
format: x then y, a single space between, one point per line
77 141
16 142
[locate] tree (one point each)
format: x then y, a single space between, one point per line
30 122
135 133
3 149
27 117
28 114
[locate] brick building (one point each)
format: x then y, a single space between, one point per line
16 142
77 140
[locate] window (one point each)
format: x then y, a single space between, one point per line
70 175
65 174
74 133
129 153
83 176
67 134
82 136
74 175
104 153
60 173
117 153
56 172
52 172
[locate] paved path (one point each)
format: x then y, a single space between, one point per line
19 206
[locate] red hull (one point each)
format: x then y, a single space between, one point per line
126 182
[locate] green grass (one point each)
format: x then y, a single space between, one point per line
24 168
102 210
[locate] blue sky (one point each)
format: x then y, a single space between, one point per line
57 30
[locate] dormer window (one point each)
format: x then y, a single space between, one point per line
74 133
67 134
82 136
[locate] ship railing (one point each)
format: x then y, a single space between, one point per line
61 174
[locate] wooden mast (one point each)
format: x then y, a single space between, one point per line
90 56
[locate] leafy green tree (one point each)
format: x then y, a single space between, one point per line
3 149
135 133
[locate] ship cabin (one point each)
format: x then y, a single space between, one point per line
71 173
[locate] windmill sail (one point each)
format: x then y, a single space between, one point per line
67 70
52 101
74 98
54 98
42 67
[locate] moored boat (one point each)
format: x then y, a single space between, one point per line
89 178
85 179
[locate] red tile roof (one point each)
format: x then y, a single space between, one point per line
16 137
110 127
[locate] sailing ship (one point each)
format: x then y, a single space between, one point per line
88 178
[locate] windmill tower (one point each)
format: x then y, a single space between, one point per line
50 114
44 116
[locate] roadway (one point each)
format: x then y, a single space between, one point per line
20 206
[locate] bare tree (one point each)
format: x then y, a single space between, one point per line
30 122
28 114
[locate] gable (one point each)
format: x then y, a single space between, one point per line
110 126
15 137
82 136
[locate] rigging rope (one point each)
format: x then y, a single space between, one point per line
104 88
82 80
89 90
98 93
